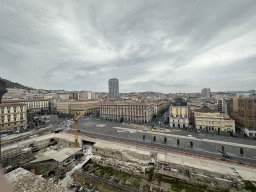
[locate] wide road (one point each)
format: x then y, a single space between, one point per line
203 144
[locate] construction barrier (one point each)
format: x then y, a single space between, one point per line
172 151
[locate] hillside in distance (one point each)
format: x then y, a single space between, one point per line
10 84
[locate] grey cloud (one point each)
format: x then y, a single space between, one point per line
122 39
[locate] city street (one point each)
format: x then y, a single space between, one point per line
209 145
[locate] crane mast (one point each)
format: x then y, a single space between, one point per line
76 127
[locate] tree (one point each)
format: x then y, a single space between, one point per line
191 144
222 148
178 142
165 140
241 151
121 119
58 113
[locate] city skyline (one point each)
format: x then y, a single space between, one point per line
153 46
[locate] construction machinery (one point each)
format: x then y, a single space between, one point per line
76 126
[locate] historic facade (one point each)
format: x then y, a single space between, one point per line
13 116
33 105
129 111
78 106
178 116
214 121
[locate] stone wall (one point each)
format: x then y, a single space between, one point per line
100 185
197 176
44 168
123 154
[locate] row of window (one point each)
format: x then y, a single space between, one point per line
9 123
209 119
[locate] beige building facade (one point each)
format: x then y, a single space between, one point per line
206 92
33 105
78 106
159 106
133 111
13 116
178 114
87 95
214 122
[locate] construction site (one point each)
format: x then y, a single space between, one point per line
97 163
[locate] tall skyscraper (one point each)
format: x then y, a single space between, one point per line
206 93
113 86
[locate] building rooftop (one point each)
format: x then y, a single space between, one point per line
10 104
126 103
179 102
21 100
59 156
23 180
205 109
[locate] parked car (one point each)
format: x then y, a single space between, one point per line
17 132
10 132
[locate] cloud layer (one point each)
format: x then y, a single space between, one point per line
165 46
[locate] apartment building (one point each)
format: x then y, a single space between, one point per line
178 116
113 86
13 116
213 121
87 95
243 111
129 111
33 105
78 106
160 105
222 105
75 95
206 92
63 96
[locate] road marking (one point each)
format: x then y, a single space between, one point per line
193 138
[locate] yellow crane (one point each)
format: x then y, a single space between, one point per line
76 126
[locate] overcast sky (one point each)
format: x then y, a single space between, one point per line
149 45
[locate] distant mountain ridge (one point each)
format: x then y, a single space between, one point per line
10 84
